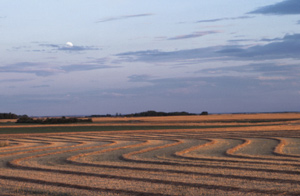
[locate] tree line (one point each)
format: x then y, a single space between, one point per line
62 120
150 113
154 113
8 116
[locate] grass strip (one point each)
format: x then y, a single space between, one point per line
58 129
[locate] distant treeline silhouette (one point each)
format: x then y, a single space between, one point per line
154 113
149 113
8 116
62 120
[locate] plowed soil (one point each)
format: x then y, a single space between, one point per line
259 155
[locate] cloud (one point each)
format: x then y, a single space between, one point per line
39 69
69 48
43 69
13 80
272 78
41 86
193 35
264 70
84 67
279 48
287 47
283 8
271 40
241 40
123 17
169 56
222 19
139 78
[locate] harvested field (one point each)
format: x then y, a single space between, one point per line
259 155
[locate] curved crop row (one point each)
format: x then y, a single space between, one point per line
170 163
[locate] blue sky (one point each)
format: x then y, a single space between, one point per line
69 57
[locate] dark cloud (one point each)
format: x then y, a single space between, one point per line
283 8
288 47
271 40
222 19
124 17
193 35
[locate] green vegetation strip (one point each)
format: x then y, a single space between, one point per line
57 129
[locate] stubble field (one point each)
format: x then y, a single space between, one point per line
241 154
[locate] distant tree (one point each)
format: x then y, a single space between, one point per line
204 113
25 119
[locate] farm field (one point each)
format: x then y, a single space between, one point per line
236 154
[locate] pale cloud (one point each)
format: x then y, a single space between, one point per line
73 48
222 19
84 67
13 80
124 17
272 78
41 86
44 69
39 69
169 56
263 70
193 35
139 78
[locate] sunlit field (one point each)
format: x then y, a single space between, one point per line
236 154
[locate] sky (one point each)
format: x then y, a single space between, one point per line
78 57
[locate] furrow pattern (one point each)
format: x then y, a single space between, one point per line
179 162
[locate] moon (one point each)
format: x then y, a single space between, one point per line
69 44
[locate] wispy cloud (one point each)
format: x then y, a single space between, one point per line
169 56
139 78
287 47
123 17
41 86
84 67
39 69
279 48
282 8
222 19
44 69
241 40
267 70
70 48
193 35
14 80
